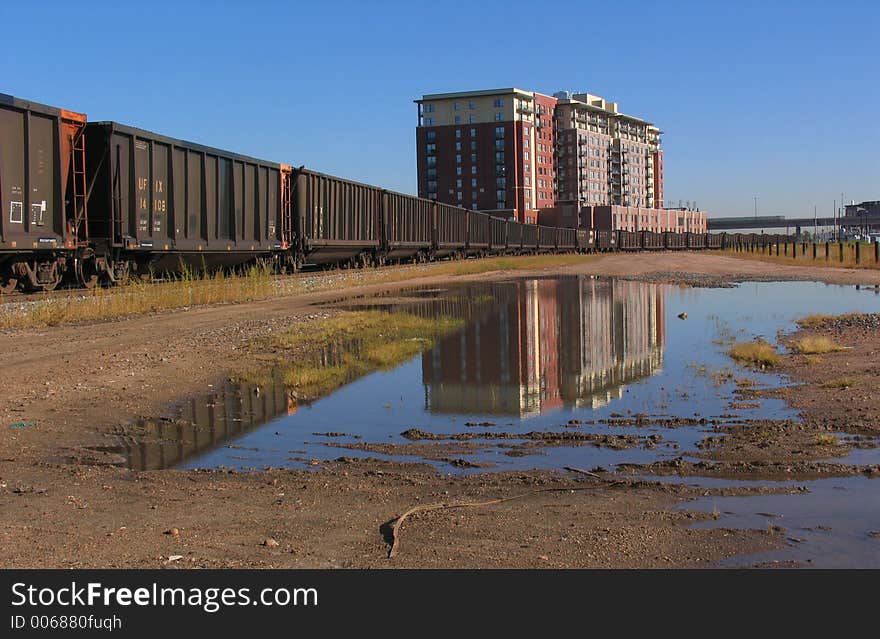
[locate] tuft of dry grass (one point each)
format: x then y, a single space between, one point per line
840 382
138 298
826 439
815 345
319 357
756 353
813 321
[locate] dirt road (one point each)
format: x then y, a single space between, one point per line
65 387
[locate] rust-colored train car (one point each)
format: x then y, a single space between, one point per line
42 192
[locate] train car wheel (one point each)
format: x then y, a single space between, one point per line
87 273
8 285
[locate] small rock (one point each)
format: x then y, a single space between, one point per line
174 532
270 543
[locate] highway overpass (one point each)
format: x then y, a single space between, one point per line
782 222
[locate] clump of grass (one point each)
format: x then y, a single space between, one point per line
813 321
813 359
322 356
815 345
756 353
841 382
826 439
181 291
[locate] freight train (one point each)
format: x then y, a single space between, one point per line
99 202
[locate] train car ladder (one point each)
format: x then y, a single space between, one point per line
78 169
287 182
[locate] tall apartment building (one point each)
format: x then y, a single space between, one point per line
488 150
520 151
604 156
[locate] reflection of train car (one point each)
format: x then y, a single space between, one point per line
206 422
551 343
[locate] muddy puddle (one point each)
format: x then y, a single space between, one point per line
580 372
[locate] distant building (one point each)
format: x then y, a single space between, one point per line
604 156
625 218
854 210
518 152
488 150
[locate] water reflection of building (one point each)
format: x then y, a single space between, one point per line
574 342
206 422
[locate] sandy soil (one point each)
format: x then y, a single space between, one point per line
73 384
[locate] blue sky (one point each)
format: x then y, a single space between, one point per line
770 99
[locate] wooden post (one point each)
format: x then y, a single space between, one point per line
877 252
814 250
840 245
827 250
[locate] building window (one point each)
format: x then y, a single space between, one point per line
499 145
459 196
470 104
429 121
431 149
458 119
429 108
458 134
432 174
458 146
431 136
432 161
458 170
473 170
458 184
473 158
499 116
499 103
457 106
499 157
471 120
474 183
458 159
473 145
473 132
